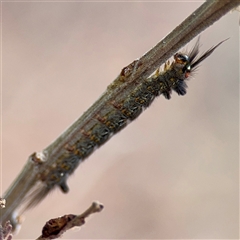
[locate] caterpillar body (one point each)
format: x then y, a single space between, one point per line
116 115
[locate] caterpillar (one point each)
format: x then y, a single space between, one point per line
116 115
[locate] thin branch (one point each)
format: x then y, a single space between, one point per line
130 76
54 228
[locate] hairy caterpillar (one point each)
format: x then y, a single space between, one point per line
115 116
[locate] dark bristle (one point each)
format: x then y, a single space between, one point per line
194 52
206 54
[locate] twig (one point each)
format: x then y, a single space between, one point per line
54 228
130 76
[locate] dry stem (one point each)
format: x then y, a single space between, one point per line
208 13
54 228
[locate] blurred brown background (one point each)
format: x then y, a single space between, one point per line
173 173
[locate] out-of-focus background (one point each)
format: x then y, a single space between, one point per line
173 173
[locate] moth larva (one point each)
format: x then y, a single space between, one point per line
115 115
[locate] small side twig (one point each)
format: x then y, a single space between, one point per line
55 227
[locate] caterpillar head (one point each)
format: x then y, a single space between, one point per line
191 61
